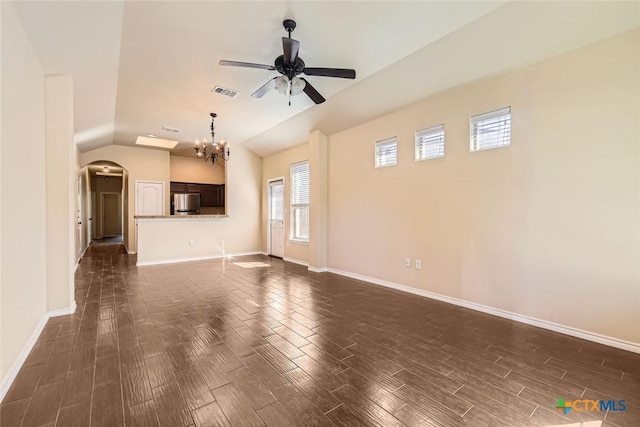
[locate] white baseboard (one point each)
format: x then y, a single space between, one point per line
200 258
126 248
243 254
13 372
81 256
544 324
296 261
318 270
63 311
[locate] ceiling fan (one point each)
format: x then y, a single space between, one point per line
290 65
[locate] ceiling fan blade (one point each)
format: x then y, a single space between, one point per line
313 93
247 65
343 73
290 48
262 91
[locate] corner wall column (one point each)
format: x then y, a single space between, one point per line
61 188
318 212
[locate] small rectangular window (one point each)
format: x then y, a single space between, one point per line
299 202
491 130
387 152
430 143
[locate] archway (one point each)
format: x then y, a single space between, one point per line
103 210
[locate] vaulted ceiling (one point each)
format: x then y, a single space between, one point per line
139 66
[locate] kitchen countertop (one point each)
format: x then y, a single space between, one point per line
181 217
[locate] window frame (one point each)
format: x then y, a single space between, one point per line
293 207
436 129
384 143
493 114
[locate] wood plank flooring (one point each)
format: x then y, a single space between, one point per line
212 343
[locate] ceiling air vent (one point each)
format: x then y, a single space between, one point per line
231 93
170 129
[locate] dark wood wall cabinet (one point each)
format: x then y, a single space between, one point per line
194 188
211 195
178 187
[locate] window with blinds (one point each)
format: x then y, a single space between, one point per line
299 202
387 152
430 143
491 130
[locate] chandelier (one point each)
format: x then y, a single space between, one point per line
214 150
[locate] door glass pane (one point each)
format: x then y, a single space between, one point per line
277 202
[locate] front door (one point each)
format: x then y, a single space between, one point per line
276 218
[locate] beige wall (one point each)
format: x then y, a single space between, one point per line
61 191
141 164
185 169
548 227
168 239
277 166
23 237
318 193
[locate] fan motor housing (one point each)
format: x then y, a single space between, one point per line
289 69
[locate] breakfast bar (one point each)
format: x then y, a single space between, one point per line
176 238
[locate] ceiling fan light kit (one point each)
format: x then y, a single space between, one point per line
290 65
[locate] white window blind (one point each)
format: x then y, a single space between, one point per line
430 143
491 130
387 152
300 202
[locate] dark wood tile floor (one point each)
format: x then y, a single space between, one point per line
212 343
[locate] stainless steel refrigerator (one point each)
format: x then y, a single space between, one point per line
186 204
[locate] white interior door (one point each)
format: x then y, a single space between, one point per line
149 198
276 218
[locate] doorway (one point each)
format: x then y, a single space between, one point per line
103 212
79 215
276 218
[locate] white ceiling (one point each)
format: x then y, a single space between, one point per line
138 66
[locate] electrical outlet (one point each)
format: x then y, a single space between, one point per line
418 264
192 242
407 262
